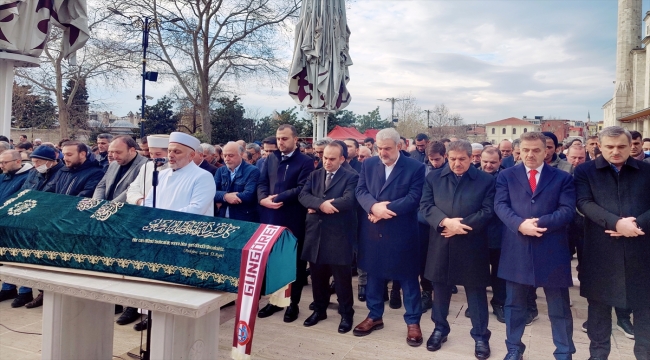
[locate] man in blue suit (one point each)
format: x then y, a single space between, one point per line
236 183
389 190
536 202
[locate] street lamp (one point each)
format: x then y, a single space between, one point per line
145 23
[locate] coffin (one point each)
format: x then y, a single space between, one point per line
80 233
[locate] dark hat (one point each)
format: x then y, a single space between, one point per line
43 152
550 135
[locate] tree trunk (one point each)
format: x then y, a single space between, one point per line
204 112
64 117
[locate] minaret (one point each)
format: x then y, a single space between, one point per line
628 37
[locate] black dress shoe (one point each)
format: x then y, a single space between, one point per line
395 301
314 318
129 315
311 306
435 341
498 312
467 313
22 300
118 309
454 289
514 355
427 301
268 310
346 324
8 294
532 316
362 293
291 314
333 288
142 325
482 350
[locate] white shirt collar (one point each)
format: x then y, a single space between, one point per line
289 154
539 169
235 169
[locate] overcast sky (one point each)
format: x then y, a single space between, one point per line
487 60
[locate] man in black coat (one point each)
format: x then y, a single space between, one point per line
353 152
331 230
81 174
283 175
419 154
613 195
458 202
491 164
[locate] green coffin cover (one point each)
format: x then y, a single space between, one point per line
80 233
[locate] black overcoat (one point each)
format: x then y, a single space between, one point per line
460 259
614 270
286 179
329 238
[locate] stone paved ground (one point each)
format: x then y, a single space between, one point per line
276 340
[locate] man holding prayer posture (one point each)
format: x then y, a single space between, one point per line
536 201
330 234
283 175
458 203
389 190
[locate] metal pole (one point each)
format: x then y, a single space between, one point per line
145 44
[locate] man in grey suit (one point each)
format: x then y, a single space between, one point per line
121 172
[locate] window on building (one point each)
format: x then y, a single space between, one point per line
503 131
493 131
525 130
514 131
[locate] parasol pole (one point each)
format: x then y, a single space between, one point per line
321 122
8 61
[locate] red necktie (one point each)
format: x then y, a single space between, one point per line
532 181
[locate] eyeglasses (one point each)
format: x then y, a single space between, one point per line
362 157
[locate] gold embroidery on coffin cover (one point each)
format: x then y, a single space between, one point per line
9 201
124 263
22 207
87 204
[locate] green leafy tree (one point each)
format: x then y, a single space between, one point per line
78 109
290 116
372 120
227 121
160 118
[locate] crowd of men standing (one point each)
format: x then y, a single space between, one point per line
448 213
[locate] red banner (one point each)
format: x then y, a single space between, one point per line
253 264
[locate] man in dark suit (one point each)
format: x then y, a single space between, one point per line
491 164
201 162
420 154
458 201
614 269
536 202
236 183
389 190
283 175
353 152
331 230
505 147
121 172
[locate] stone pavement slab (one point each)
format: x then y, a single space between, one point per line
275 339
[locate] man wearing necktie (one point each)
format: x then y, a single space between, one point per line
331 230
536 202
